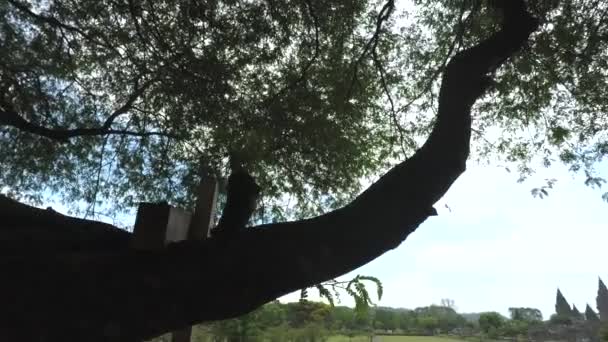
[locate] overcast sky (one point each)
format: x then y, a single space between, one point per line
498 247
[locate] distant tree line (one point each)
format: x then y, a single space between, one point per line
314 321
309 321
564 313
568 323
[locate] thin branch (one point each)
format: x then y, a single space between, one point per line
591 43
91 207
378 64
154 28
480 134
133 13
315 19
56 23
10 117
451 48
371 44
310 62
398 126
129 104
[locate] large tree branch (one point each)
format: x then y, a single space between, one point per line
124 295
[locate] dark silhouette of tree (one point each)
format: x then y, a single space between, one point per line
526 314
491 322
151 84
590 315
562 308
602 300
576 314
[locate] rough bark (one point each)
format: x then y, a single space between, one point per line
74 288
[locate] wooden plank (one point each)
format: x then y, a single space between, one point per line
204 212
158 224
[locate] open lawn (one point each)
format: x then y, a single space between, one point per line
392 339
416 339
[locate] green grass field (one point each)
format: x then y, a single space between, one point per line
392 339
417 339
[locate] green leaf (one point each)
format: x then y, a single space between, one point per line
377 282
325 293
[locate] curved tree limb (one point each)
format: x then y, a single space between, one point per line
124 295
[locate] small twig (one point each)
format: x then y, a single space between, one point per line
128 104
441 68
91 207
482 136
138 30
371 44
310 62
10 117
398 126
315 56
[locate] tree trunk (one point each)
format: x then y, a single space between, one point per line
65 279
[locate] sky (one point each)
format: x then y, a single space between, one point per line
496 246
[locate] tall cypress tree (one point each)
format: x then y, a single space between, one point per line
602 301
590 315
562 308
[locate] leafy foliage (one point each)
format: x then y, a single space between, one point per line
289 321
526 314
298 321
317 95
547 101
440 317
266 79
490 322
543 190
355 288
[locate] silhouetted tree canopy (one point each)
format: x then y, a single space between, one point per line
526 314
118 102
562 308
591 315
110 103
602 300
